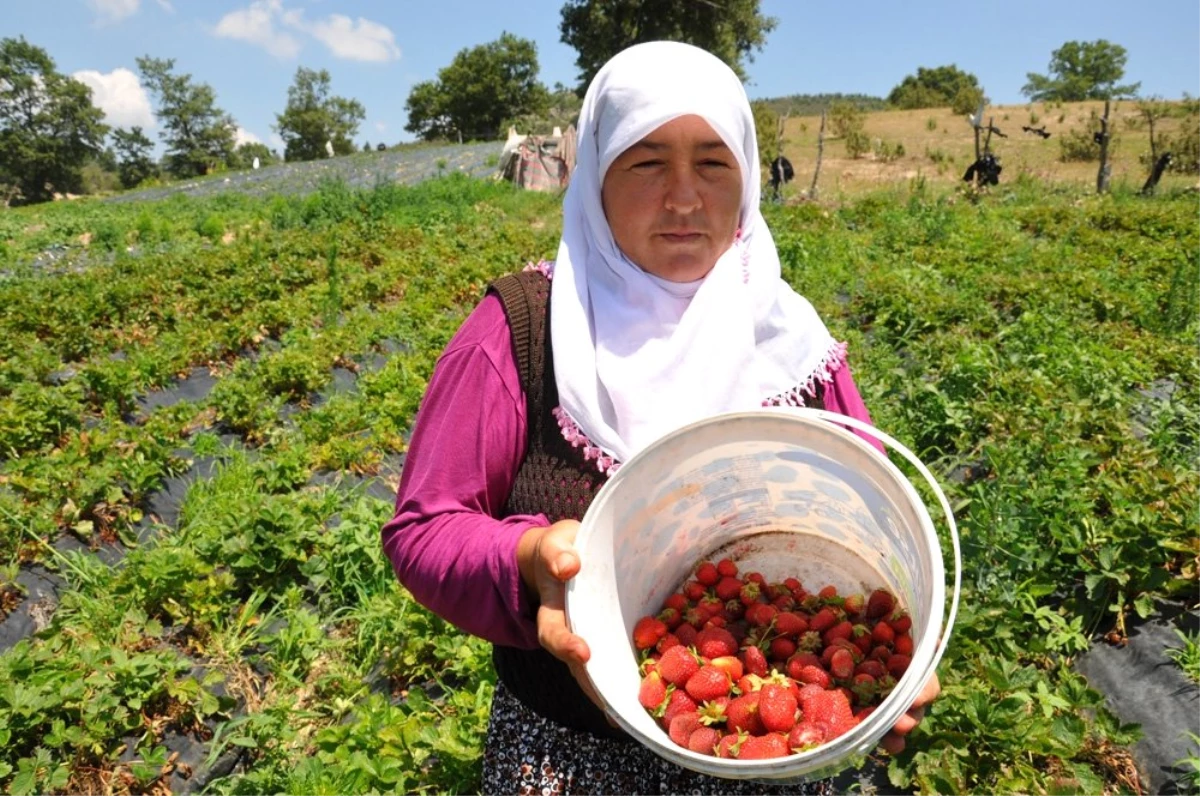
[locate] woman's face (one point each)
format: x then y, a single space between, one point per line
673 200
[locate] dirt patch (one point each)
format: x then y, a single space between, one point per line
85 239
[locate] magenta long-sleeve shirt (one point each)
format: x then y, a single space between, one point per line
446 542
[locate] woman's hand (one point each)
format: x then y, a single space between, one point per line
893 742
548 559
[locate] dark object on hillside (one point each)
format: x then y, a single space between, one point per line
781 173
1036 130
1156 173
987 168
381 147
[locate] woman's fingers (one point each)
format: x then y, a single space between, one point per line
893 742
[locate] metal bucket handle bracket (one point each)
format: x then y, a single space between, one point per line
887 440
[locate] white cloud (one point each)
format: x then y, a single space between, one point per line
243 136
380 126
114 10
256 25
120 95
277 142
357 40
165 5
266 23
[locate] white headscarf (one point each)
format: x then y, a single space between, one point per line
636 356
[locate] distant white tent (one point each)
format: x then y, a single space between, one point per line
255 164
329 148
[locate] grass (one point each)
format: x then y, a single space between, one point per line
1187 656
1036 337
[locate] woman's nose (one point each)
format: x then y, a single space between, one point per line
683 191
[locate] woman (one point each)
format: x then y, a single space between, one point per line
664 306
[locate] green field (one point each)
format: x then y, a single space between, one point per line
1035 345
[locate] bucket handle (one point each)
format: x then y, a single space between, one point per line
867 428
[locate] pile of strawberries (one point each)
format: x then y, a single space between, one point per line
738 667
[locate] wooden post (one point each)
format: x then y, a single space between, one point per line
812 192
1105 169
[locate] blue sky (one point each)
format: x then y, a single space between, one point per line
375 50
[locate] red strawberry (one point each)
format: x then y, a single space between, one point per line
784 602
693 590
715 621
880 603
686 634
749 682
872 667
864 688
706 574
756 577
829 710
854 604
750 593
841 664
731 664
713 711
704 740
765 747
734 608
676 601
903 645
902 624
727 568
708 683
782 649
777 707
880 653
711 603
790 624
742 714
861 714
670 617
728 588
862 639
842 629
823 620
731 744
714 642
682 727
814 675
827 592
793 585
647 632
809 641
897 665
653 691
883 634
677 665
760 614
754 661
666 642
805 736
677 702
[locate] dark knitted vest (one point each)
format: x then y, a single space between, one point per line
554 480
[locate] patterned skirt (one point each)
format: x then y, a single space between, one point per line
529 754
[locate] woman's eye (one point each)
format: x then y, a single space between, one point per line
647 164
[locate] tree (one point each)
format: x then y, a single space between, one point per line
48 125
134 163
848 122
313 116
480 88
599 29
1082 70
940 87
245 153
198 134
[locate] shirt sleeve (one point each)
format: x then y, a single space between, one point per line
446 542
841 396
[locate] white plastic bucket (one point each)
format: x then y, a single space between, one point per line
788 493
